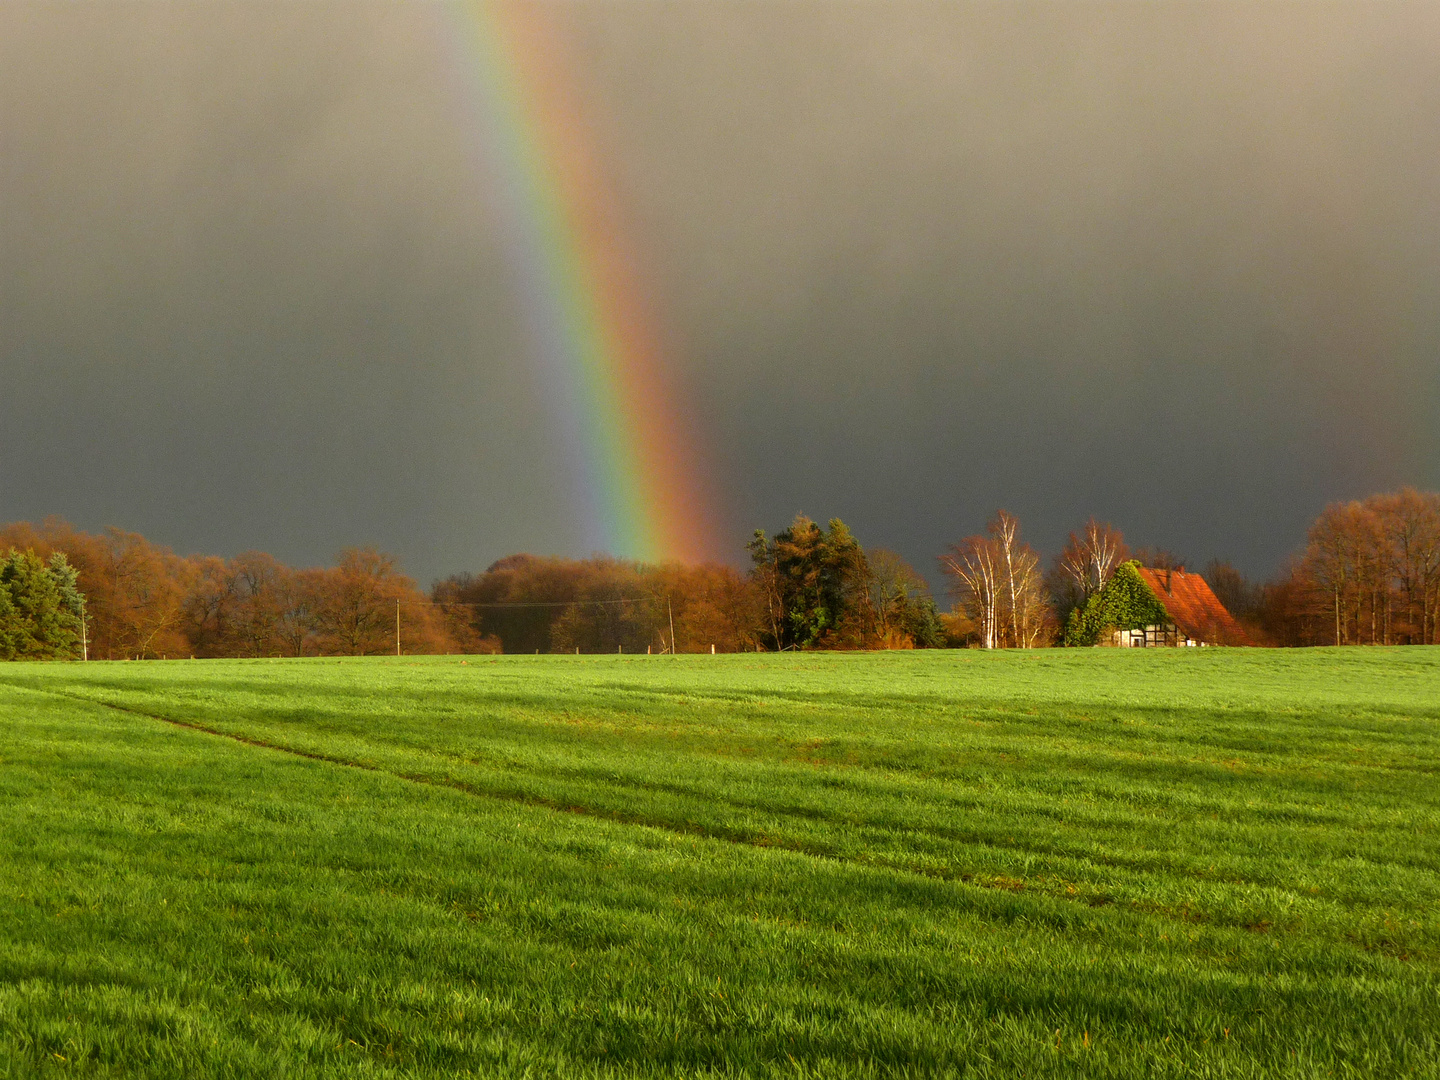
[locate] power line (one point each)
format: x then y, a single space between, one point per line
538 604
529 604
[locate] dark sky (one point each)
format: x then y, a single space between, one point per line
1176 265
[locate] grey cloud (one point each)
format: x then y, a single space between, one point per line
1173 264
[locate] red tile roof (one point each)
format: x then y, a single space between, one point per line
1193 607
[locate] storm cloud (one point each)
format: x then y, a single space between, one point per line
1176 265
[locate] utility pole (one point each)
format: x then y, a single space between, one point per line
397 626
670 612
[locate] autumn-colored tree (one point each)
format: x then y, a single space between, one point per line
1410 531
298 596
139 598
364 606
613 610
959 629
517 600
457 620
530 604
358 602
711 605
766 581
207 608
1288 615
1372 567
254 583
145 601
1338 559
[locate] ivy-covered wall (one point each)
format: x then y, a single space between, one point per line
1125 603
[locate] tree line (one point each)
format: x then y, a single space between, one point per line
1368 573
142 601
808 587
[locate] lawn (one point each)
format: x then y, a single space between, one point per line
1196 863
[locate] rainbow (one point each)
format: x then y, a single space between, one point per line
641 496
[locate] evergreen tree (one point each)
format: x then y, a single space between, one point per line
920 619
11 626
40 608
815 580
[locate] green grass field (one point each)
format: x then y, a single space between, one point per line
1062 863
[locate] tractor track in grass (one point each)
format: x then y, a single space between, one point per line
618 816
688 829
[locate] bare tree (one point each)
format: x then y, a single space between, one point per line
297 600
974 563
255 584
147 589
892 582
1409 523
998 583
766 576
1159 558
1341 561
1240 596
1032 608
1091 557
1005 530
355 608
1023 592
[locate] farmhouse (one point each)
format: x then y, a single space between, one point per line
1196 615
